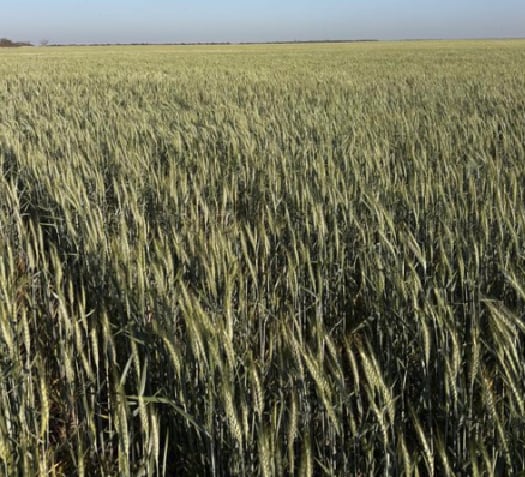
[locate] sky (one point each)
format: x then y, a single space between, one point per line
173 21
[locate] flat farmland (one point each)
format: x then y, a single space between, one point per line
302 259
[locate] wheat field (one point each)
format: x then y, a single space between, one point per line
263 260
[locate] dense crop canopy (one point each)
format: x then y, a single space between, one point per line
263 260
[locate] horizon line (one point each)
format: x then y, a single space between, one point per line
268 42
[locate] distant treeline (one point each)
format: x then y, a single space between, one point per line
217 43
320 41
6 43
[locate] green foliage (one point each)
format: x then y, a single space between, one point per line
263 260
5 42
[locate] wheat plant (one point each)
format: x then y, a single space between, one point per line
263 260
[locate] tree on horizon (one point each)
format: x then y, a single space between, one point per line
6 43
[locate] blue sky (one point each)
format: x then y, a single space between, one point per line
157 21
